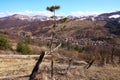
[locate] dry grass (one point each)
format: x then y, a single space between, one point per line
22 67
15 66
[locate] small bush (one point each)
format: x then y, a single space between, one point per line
65 44
68 45
27 41
78 48
87 48
23 48
4 44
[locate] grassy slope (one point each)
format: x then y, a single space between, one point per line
82 29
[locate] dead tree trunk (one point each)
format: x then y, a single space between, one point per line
112 55
119 58
70 63
101 59
35 70
51 66
118 54
108 59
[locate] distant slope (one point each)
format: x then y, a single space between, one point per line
102 26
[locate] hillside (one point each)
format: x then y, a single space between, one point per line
76 26
105 27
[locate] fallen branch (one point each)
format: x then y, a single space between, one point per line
13 76
54 49
19 56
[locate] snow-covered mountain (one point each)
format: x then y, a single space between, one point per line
25 17
101 17
18 16
108 16
29 18
38 17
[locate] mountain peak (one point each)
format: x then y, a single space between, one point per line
19 16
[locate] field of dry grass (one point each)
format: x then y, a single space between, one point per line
9 67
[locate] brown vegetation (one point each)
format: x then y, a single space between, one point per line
24 67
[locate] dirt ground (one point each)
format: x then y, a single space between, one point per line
10 67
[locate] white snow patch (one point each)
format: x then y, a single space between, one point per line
114 16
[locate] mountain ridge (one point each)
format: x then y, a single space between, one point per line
103 16
77 27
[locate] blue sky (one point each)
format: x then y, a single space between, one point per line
68 7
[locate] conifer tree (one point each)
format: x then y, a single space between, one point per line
52 9
54 31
